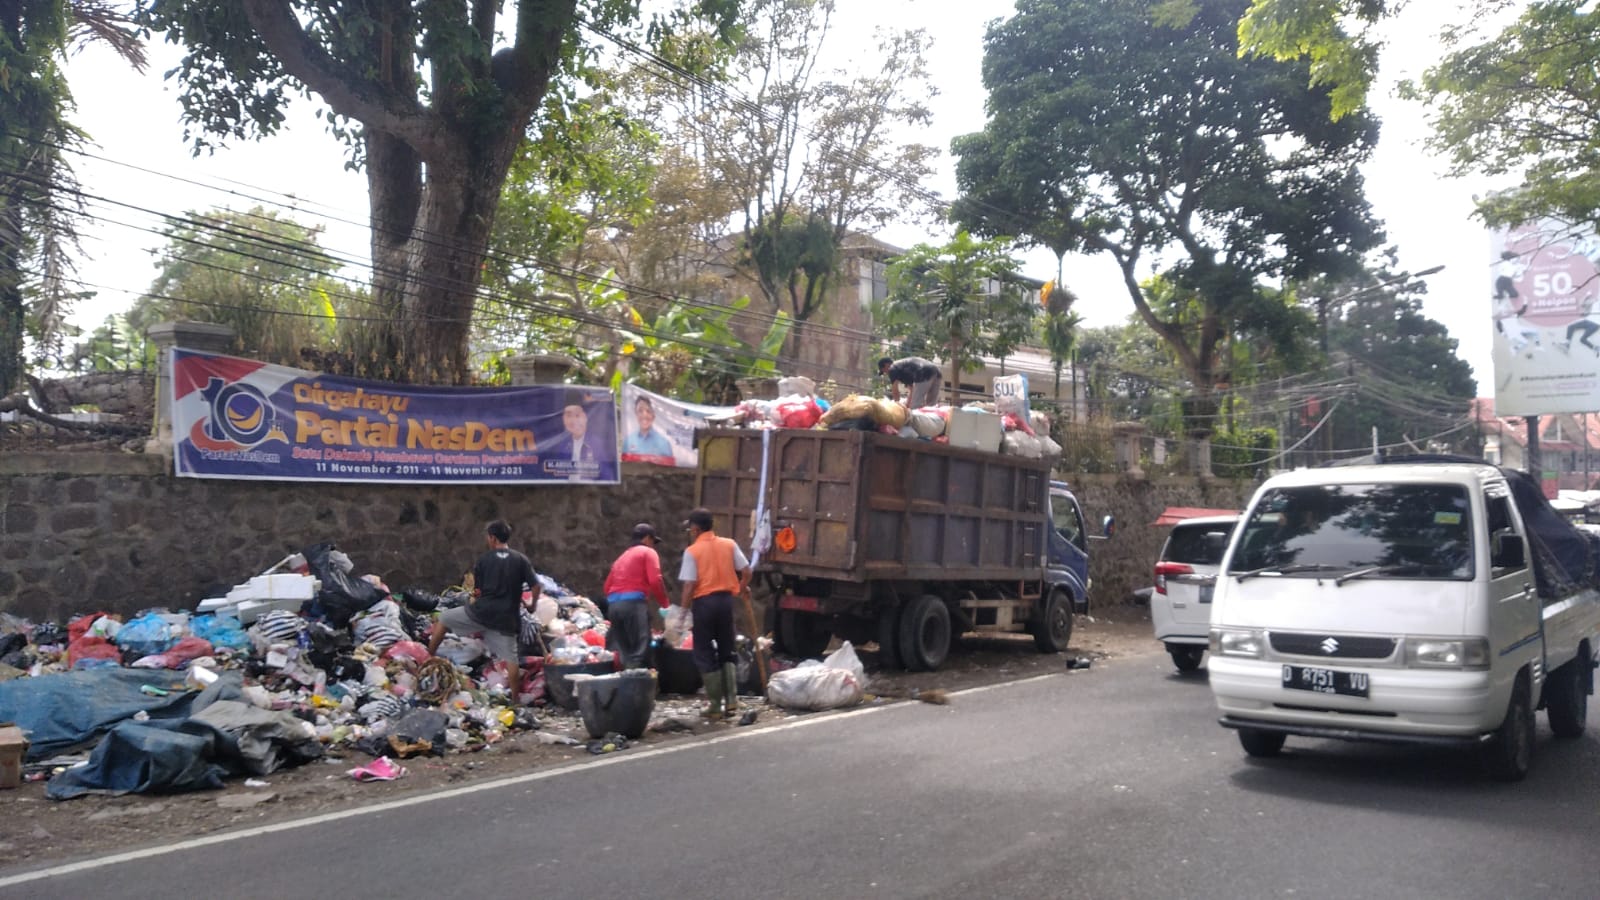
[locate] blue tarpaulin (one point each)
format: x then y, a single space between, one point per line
145 757
62 712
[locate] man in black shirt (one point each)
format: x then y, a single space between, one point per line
494 612
921 378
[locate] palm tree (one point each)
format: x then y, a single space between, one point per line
39 199
1060 332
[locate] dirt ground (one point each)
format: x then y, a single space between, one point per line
35 829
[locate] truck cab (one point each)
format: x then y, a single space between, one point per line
1067 552
1432 602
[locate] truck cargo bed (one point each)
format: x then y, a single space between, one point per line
865 506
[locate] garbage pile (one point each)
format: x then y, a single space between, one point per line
1006 425
304 659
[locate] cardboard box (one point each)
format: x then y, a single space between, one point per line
975 430
13 746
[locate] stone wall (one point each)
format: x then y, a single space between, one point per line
118 532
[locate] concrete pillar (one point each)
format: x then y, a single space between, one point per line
202 336
540 368
1125 441
1199 449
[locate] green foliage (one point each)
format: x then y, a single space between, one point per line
259 273
1133 127
1244 452
958 302
1525 101
114 346
1314 30
695 352
38 204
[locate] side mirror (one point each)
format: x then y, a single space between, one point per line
1109 525
1509 552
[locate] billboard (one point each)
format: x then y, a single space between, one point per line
1546 343
661 431
242 419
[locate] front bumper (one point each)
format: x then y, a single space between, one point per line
1401 704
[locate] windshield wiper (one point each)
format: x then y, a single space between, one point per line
1285 570
1391 569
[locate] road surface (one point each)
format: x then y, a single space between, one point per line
1111 782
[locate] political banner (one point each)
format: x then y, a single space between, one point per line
661 431
1543 289
242 419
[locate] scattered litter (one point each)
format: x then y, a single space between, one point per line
256 783
381 769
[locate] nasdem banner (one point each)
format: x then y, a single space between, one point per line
242 419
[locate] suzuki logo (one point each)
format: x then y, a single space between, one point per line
1330 646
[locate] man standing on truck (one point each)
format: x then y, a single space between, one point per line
922 379
714 571
634 579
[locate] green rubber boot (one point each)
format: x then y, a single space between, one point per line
730 685
714 691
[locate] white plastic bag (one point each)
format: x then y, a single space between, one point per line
836 681
677 623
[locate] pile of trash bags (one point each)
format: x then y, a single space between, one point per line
167 701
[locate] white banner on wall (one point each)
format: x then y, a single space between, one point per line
1543 289
658 430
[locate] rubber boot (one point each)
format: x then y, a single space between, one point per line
714 691
730 686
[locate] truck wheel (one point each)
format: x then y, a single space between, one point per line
1186 656
889 638
1054 628
1261 743
924 633
1509 753
1567 699
803 634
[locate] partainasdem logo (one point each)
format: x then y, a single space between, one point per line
239 415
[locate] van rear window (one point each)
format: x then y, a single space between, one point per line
1187 544
1396 530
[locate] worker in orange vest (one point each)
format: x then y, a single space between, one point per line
713 573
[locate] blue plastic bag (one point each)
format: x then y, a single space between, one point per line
220 631
149 634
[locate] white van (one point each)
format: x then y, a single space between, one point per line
1185 573
1419 601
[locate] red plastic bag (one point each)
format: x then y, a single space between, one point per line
801 412
593 638
92 648
1014 422
78 626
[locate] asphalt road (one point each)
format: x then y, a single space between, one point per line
1113 782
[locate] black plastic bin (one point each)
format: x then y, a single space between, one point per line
560 689
675 670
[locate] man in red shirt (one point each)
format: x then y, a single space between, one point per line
634 578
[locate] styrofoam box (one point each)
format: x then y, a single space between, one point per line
975 430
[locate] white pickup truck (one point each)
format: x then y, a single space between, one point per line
1433 600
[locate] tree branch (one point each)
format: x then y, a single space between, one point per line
347 94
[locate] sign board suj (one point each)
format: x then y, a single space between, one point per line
241 419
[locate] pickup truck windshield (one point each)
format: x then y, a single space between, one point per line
1364 531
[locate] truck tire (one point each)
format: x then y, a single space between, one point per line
1186 656
803 634
889 638
1261 743
924 634
1566 702
1054 628
1509 753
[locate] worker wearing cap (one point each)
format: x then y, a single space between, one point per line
635 577
714 571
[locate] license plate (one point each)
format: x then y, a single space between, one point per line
1206 590
1325 681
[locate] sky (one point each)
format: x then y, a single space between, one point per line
147 169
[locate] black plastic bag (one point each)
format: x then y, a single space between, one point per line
418 600
342 594
864 423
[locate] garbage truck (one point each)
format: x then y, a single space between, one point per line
907 543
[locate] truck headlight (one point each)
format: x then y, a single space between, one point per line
1230 642
1448 653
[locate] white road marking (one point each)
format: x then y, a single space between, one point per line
494 784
